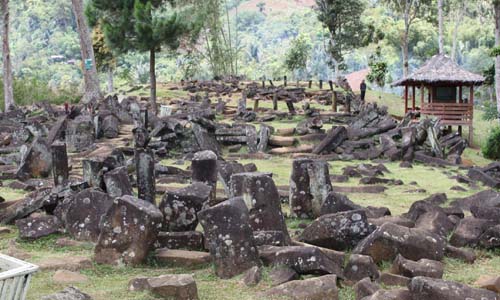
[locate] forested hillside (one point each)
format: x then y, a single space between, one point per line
45 47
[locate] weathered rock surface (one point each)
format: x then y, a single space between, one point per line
128 231
187 240
359 267
183 258
229 237
303 260
437 289
38 226
69 293
180 207
389 240
468 232
423 267
179 287
320 288
340 231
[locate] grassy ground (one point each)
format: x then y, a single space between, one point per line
111 282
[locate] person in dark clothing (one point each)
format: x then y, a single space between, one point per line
362 87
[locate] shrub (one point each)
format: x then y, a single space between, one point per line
491 149
490 111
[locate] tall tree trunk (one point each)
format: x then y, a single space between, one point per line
406 35
110 81
7 65
458 18
152 79
92 91
441 25
497 59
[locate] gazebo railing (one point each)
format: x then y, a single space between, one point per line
450 113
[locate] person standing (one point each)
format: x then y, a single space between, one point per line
362 87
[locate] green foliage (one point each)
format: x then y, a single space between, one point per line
491 149
490 111
378 69
104 57
297 55
343 21
495 51
489 75
29 91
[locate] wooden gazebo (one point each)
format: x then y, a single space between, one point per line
441 83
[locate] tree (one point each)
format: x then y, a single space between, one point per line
378 68
8 89
92 91
105 60
220 49
297 55
496 5
409 11
343 21
441 26
143 25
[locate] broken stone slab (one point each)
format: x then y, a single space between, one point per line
183 258
389 240
23 208
335 137
436 222
488 180
469 231
488 198
180 207
187 240
281 141
36 160
390 279
336 202
365 288
422 267
225 170
204 169
398 220
68 277
229 239
488 213
369 189
60 168
262 199
80 133
437 289
398 294
304 260
69 293
319 288
37 226
117 182
252 277
339 231
465 255
359 267
83 212
490 239
264 134
309 187
282 274
271 238
145 172
128 231
179 287
289 150
69 263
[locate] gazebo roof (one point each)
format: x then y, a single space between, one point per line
440 69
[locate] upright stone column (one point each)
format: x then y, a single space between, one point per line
144 166
309 186
60 169
145 169
204 168
93 172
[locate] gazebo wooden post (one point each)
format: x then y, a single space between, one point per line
471 127
422 96
460 100
413 99
406 99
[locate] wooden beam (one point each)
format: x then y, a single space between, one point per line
460 95
406 99
422 96
413 107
